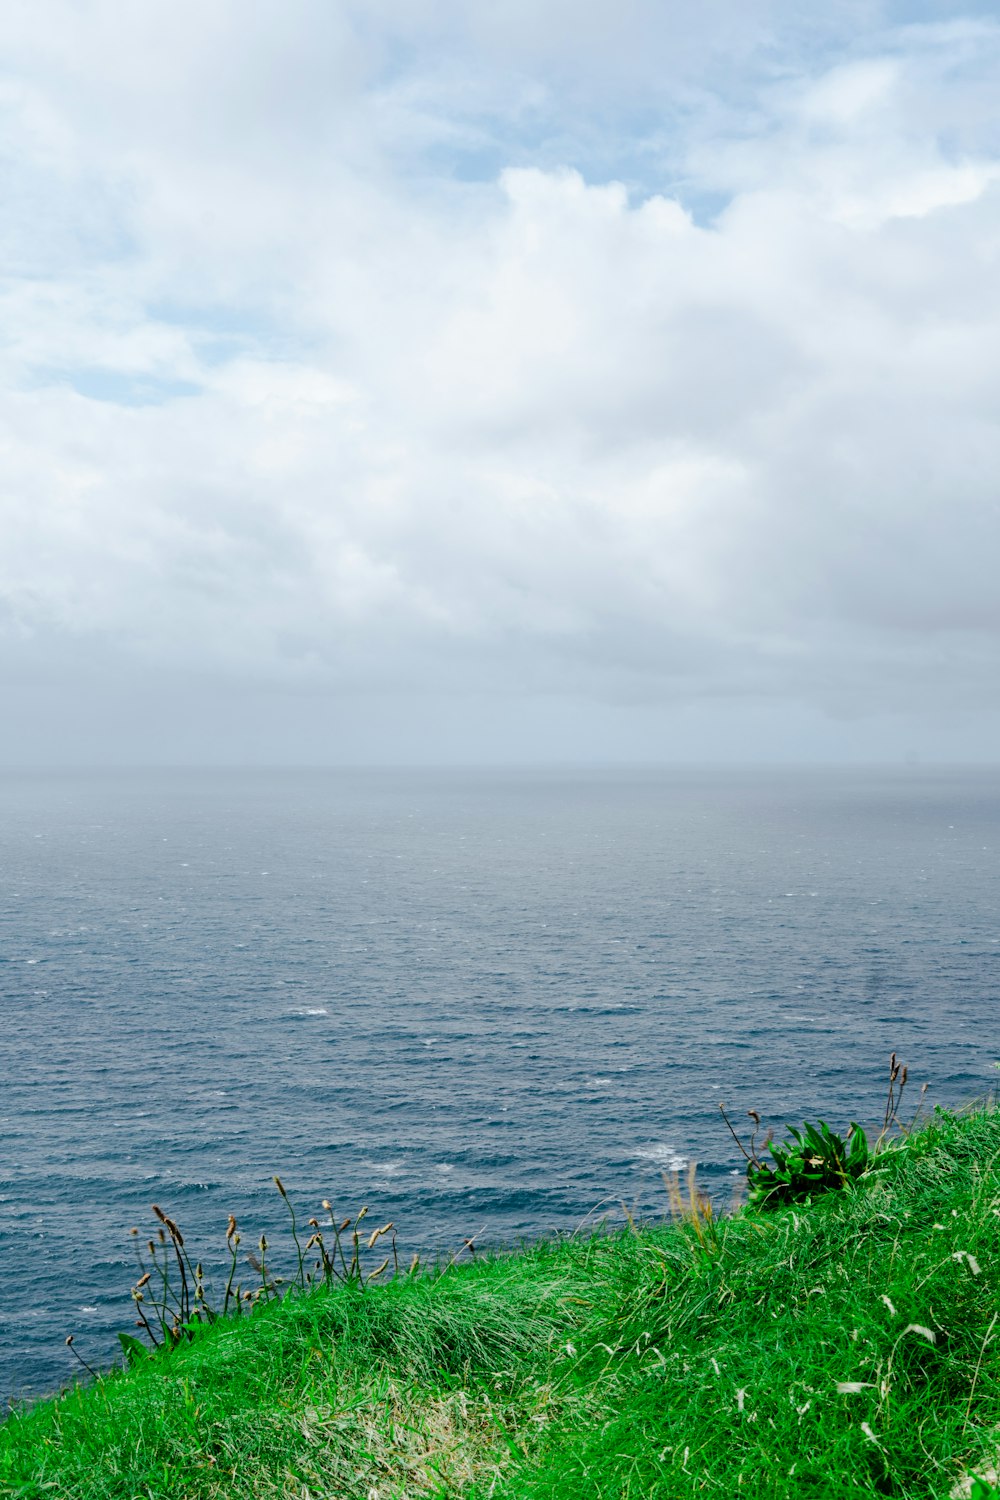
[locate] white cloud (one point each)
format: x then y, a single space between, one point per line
289 401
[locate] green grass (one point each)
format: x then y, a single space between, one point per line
846 1348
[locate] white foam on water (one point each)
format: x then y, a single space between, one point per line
662 1155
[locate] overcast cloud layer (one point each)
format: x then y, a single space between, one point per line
444 380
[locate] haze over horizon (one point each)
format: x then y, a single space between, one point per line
462 383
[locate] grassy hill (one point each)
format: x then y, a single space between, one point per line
843 1348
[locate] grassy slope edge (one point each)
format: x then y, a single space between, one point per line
841 1349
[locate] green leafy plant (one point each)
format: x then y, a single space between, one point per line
814 1161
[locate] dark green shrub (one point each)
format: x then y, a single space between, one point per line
814 1161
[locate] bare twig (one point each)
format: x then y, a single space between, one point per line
752 1159
79 1357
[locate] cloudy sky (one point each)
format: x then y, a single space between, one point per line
436 380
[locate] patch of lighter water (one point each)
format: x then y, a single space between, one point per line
662 1155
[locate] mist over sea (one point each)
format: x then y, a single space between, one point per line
485 1003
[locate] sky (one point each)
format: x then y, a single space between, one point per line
435 381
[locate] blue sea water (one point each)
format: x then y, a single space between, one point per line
485 1003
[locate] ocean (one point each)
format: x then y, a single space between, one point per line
495 1004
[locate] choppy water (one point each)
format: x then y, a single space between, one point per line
468 999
